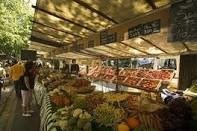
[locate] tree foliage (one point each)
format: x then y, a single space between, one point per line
15 25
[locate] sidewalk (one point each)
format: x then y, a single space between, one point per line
4 96
11 118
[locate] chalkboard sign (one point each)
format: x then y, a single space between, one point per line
183 15
29 55
135 31
106 37
145 29
111 38
151 27
90 43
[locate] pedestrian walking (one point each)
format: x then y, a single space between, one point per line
26 89
16 71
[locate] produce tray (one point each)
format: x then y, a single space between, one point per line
124 72
172 74
108 78
110 71
133 72
144 84
132 81
120 80
142 73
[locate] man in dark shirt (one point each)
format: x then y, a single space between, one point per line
74 67
65 68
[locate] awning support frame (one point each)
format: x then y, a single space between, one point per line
62 18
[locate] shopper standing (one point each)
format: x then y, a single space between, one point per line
16 71
65 68
2 76
26 89
32 76
74 67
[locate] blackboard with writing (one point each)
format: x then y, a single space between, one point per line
135 31
111 38
151 27
183 15
145 29
106 37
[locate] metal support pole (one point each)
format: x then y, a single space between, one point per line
117 75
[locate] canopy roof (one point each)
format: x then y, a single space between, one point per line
66 23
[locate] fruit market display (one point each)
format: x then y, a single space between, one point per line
130 104
138 78
119 80
133 72
93 100
81 83
107 115
124 72
149 74
160 74
112 97
150 120
79 101
123 127
82 86
69 119
70 112
58 80
52 80
176 116
72 105
132 81
149 84
43 74
60 98
108 78
117 111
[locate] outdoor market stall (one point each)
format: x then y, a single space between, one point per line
113 30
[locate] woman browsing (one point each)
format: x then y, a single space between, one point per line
26 89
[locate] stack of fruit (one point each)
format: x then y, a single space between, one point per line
107 115
132 81
149 85
94 100
133 72
59 98
82 86
69 119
